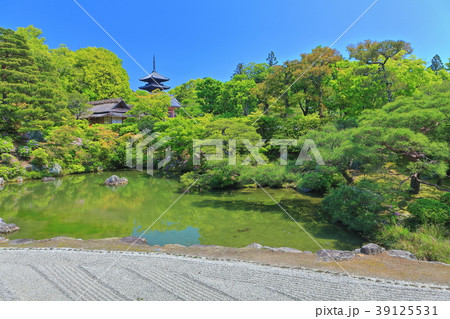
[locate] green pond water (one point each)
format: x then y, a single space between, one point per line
80 206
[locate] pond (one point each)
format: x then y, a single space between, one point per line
80 206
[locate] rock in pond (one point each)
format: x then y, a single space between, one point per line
19 180
2 181
402 254
116 180
3 239
329 254
372 249
49 179
7 228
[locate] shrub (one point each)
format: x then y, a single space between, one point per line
430 211
39 157
6 146
445 198
321 181
270 175
9 173
24 152
357 209
428 242
7 158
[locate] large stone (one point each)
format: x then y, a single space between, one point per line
402 254
372 249
255 245
49 179
329 254
33 168
116 180
7 228
283 249
2 181
3 239
132 240
55 168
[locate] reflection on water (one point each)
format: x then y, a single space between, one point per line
80 206
186 237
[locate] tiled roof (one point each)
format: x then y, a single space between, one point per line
154 75
117 100
111 105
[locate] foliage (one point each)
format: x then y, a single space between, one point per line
321 180
24 152
445 198
12 171
357 209
7 158
269 175
429 211
39 157
429 242
6 146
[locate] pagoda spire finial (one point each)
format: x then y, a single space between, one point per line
154 64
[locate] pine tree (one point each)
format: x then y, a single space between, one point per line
17 76
271 59
436 64
239 69
48 106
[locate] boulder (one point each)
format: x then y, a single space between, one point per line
55 168
49 179
2 181
255 245
283 249
134 240
3 239
7 228
115 180
402 254
19 180
372 249
329 254
33 168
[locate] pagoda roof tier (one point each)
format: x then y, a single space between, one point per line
154 76
153 86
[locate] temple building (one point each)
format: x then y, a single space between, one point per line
112 111
154 81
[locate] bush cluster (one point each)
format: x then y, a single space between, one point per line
357 209
430 211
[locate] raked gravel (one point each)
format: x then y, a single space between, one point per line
69 274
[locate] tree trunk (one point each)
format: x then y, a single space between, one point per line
415 183
348 177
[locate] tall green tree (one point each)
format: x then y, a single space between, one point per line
436 64
271 59
48 106
379 53
238 70
209 91
18 74
95 72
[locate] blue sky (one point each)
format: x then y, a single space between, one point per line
198 38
